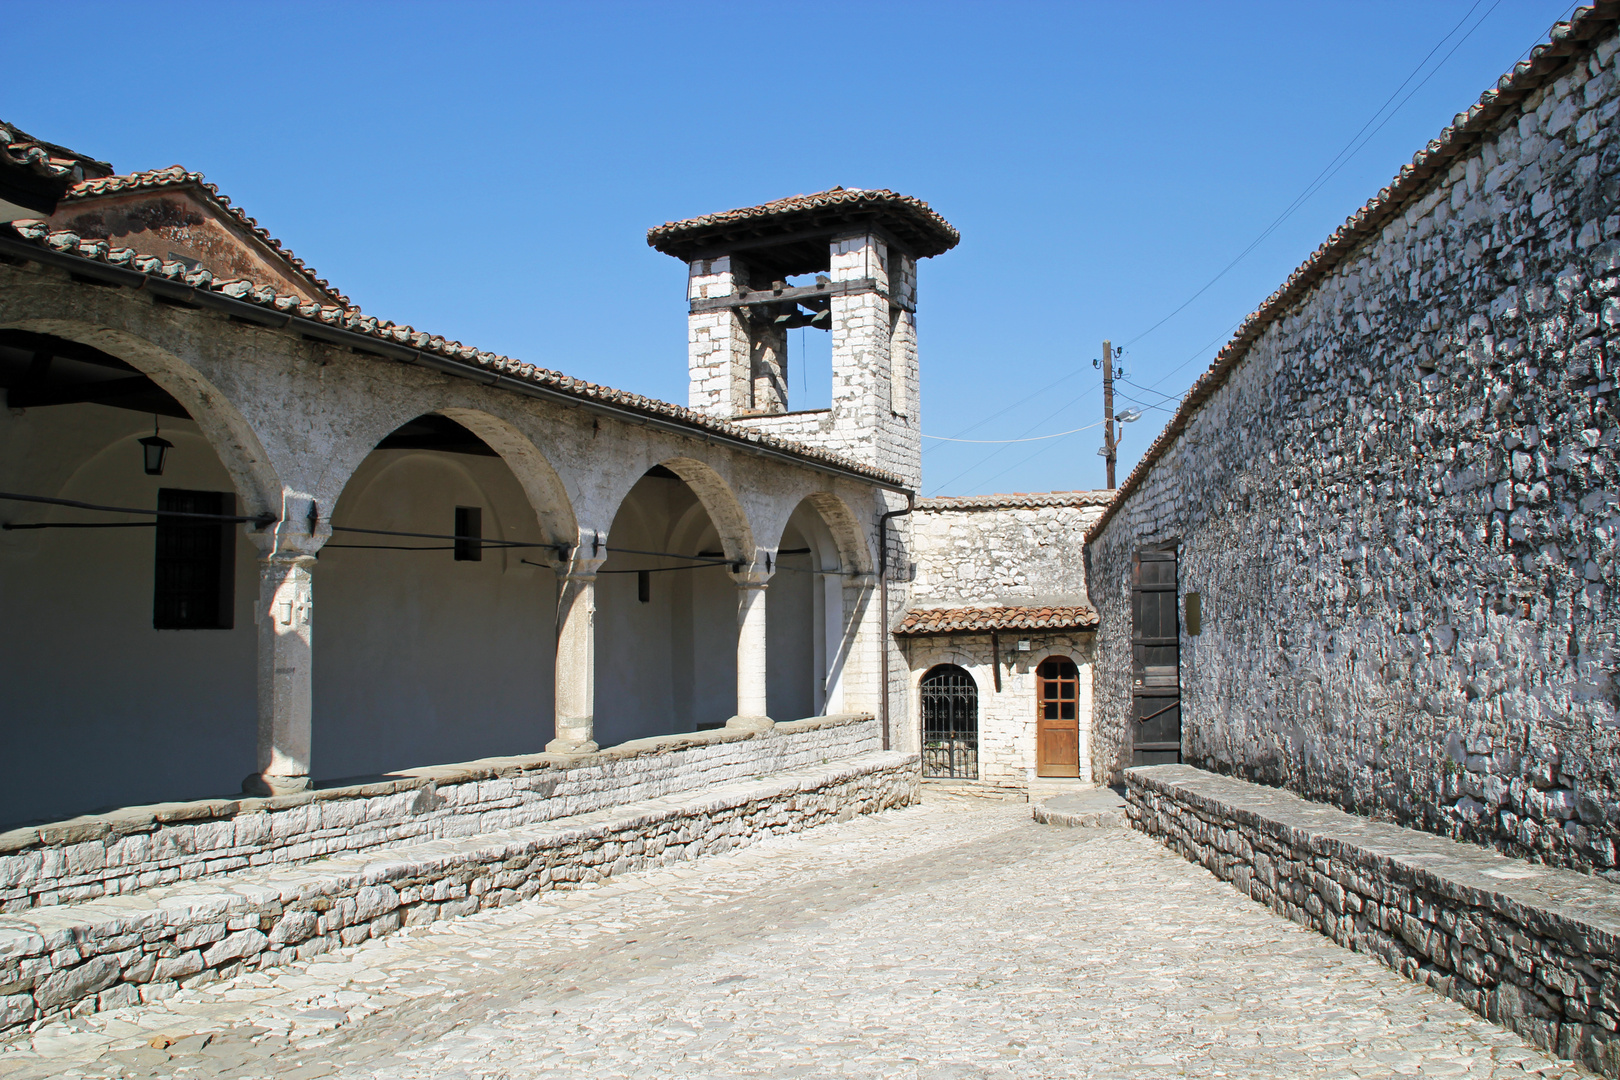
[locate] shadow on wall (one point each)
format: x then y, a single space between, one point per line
666 628
102 709
429 655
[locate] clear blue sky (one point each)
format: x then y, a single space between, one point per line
488 171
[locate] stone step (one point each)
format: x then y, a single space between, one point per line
1096 808
142 946
1533 947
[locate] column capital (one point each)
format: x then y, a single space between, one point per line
580 569
752 576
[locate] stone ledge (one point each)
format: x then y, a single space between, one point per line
76 958
1102 808
1533 947
140 847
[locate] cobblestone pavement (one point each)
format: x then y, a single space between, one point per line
951 941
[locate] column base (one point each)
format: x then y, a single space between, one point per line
572 747
750 723
264 785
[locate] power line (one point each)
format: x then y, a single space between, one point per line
1342 158
1035 438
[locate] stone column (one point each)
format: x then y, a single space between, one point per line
283 614
576 659
751 666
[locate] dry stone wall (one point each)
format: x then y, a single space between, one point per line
1529 947
1401 511
143 847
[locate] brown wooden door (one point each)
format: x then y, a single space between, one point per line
1057 718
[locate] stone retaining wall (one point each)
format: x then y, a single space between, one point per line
1531 947
141 847
78 958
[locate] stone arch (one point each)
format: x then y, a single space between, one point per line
229 433
721 503
840 520
541 483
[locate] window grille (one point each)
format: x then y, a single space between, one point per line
950 720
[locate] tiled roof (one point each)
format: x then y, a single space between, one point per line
911 221
175 176
1545 63
47 159
352 320
981 620
1016 500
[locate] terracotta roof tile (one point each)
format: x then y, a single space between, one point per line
175 176
911 221
351 319
967 620
1016 500
46 159
1546 61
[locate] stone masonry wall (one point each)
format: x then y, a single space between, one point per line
114 952
142 847
999 554
1532 948
1401 511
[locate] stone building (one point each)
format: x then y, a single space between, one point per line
442 493
999 636
1372 557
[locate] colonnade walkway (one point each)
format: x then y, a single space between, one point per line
954 939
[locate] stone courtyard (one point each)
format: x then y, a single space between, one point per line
955 938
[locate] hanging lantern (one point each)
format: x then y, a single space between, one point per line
153 449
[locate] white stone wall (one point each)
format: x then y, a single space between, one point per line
1401 511
717 343
1000 555
1007 735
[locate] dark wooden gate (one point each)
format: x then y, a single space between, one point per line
1155 660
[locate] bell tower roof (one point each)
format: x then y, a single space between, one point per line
795 230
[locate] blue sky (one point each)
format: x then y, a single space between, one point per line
488 171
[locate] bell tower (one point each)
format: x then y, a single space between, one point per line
843 261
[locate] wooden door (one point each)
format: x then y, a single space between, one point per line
1057 718
1155 661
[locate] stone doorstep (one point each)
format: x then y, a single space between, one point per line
62 950
1539 946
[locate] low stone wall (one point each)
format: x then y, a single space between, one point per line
141 847
1529 946
78 958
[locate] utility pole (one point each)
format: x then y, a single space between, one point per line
1110 441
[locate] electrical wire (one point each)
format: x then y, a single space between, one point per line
1342 158
1035 438
263 520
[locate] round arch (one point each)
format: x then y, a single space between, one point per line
721 504
542 485
228 432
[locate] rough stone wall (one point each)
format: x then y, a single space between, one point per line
141 847
999 555
1401 512
112 953
717 346
1006 717
1530 948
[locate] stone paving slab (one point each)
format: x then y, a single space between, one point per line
957 939
1098 808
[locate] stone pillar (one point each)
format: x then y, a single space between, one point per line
576 659
751 662
719 363
285 697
